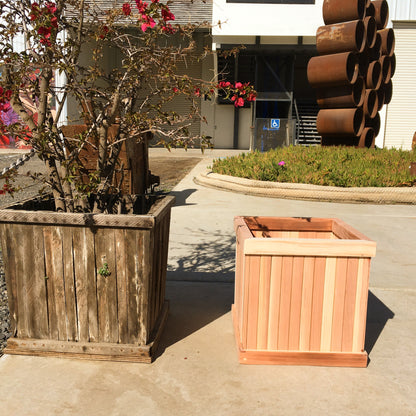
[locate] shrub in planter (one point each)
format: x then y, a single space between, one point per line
61 64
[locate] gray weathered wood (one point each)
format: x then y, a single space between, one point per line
57 296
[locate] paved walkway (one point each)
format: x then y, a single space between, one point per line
197 371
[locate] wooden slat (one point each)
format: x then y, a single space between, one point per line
296 303
135 240
243 302
328 305
122 286
285 297
339 301
317 303
264 301
87 326
333 359
306 308
69 286
345 231
144 275
55 284
253 302
289 224
309 247
361 304
73 219
274 306
241 229
9 261
37 294
349 306
22 268
106 286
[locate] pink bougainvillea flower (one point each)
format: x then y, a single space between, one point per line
126 9
167 14
224 84
142 6
51 7
44 31
168 28
104 30
239 102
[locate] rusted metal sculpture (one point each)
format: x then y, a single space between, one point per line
353 70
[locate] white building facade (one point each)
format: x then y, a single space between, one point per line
399 115
279 36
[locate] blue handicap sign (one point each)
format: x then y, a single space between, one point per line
275 124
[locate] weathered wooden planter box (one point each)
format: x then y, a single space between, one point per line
84 285
301 291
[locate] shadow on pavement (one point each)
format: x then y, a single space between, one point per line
378 314
193 306
182 196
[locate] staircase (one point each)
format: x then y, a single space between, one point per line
305 112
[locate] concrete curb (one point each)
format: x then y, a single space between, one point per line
307 192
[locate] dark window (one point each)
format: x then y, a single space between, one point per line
274 1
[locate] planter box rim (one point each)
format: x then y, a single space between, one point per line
88 219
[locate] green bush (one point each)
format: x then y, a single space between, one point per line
331 166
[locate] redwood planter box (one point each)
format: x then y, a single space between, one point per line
301 291
61 301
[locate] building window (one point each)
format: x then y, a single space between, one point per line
273 1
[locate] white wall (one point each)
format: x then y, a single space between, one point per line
402 9
242 19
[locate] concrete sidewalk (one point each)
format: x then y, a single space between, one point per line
197 370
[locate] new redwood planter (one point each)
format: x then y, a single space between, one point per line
86 285
301 291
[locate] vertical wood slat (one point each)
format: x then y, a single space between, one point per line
264 301
306 308
122 286
274 307
69 286
285 296
21 270
9 260
361 305
252 305
339 302
55 285
40 312
349 306
317 303
85 285
106 286
156 276
328 304
133 260
145 278
296 303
